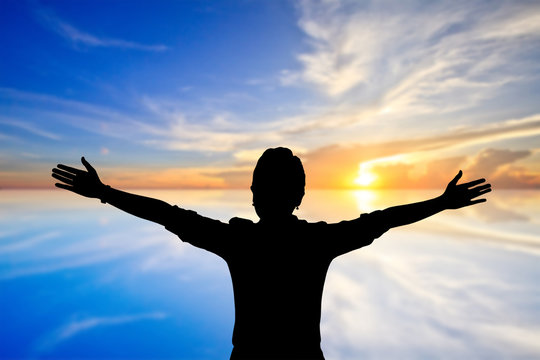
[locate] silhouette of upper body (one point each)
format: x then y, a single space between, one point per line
278 265
278 271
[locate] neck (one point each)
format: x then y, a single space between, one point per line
278 219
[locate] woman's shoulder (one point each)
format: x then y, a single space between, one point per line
238 221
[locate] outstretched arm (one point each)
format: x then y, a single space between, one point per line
88 184
454 197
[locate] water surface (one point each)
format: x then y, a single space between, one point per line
79 279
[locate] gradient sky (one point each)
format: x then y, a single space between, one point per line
188 94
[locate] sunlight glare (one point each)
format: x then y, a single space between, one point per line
386 110
365 176
367 171
364 200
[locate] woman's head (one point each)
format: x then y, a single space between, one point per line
278 183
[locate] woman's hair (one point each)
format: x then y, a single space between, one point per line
279 173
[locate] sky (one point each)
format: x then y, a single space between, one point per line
188 94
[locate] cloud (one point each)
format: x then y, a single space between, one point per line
328 166
235 178
42 251
80 115
26 244
186 178
78 326
403 302
5 137
337 166
492 164
489 161
415 57
516 177
179 129
388 72
30 128
110 238
525 240
495 213
79 37
176 132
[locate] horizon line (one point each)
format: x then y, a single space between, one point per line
537 187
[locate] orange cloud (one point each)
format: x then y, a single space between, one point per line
412 163
338 166
186 178
496 165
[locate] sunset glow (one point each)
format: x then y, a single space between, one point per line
370 171
153 98
365 176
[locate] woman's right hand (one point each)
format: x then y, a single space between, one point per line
85 183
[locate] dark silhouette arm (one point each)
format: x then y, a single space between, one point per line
454 197
88 184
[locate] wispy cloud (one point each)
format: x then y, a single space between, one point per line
73 328
219 132
86 252
416 56
29 127
79 37
399 302
25 244
78 326
7 137
166 125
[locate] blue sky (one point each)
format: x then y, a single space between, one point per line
189 94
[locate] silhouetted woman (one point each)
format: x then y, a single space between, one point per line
277 265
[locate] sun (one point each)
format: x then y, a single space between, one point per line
367 170
365 176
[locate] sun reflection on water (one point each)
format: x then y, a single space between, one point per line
365 199
76 260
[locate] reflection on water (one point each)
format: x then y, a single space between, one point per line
79 279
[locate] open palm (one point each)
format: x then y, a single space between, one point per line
85 183
457 196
